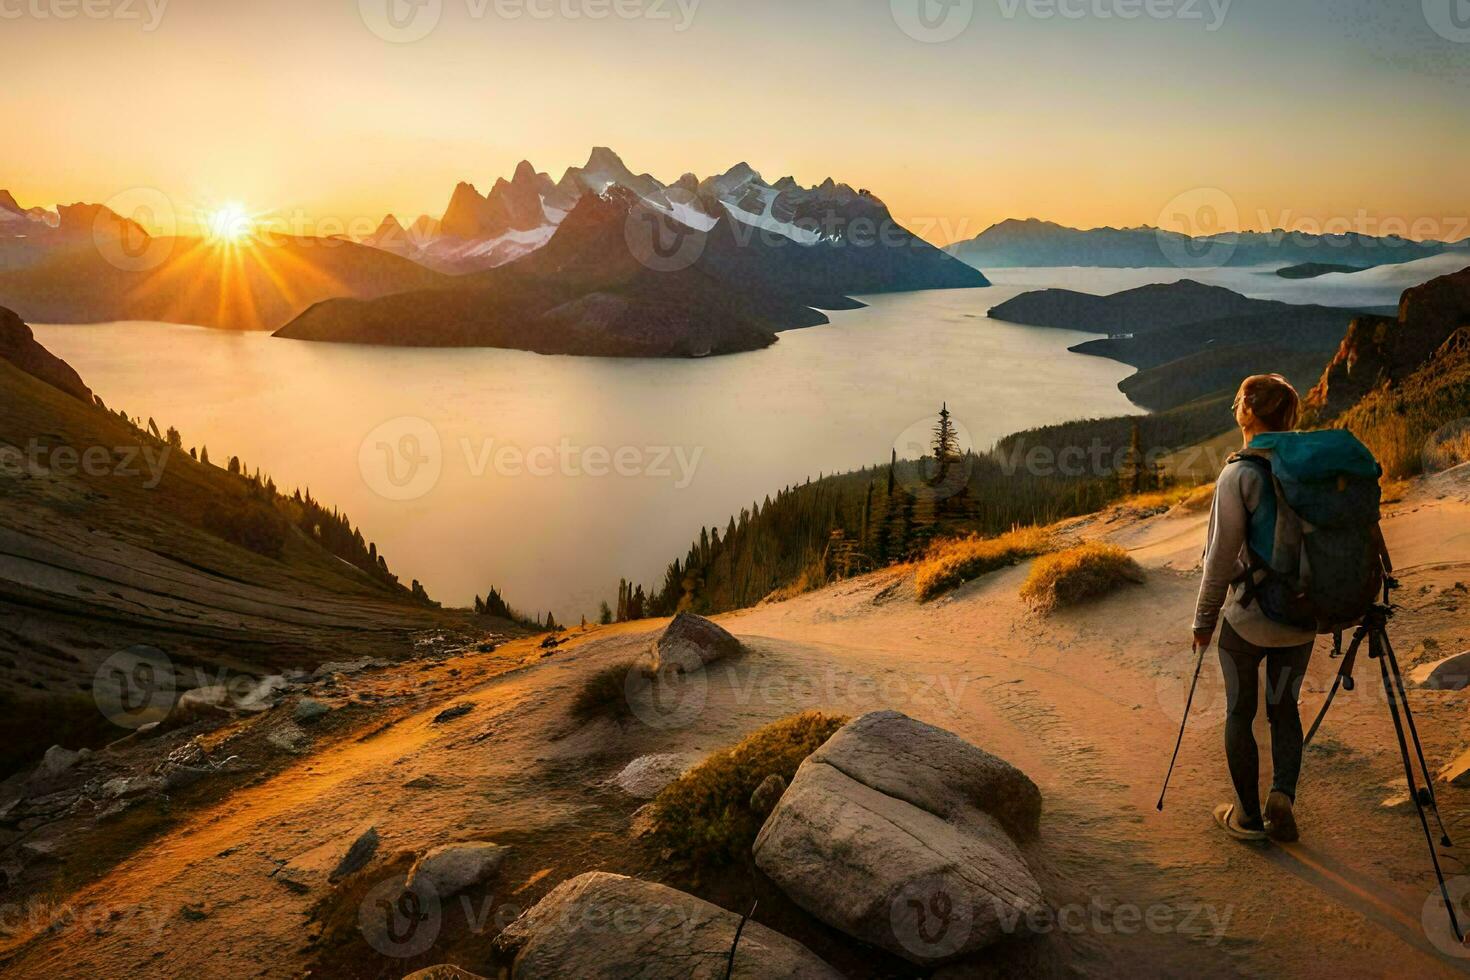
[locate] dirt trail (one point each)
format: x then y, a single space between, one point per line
1087 702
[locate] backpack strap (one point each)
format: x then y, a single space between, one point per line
1247 579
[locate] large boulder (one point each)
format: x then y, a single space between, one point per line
691 642
605 925
646 775
895 833
1449 674
933 769
450 869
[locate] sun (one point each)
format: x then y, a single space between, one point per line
229 223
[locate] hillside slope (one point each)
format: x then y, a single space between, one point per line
110 537
1087 702
253 285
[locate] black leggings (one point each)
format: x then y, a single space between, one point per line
1286 667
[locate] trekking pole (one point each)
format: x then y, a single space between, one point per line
1182 722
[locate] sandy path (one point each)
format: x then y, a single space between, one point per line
1086 702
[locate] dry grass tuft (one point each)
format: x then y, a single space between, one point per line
951 563
1087 571
604 694
704 816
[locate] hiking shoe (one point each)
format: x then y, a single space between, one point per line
1228 817
1280 823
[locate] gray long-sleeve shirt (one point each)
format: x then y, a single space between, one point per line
1237 494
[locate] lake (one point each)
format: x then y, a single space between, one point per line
552 477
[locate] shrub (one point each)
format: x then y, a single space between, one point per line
951 563
705 816
1085 572
248 523
604 694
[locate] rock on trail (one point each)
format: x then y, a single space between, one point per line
895 832
606 925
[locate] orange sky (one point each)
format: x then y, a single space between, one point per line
1291 117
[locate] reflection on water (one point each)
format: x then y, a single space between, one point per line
552 477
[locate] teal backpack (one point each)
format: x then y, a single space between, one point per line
1316 538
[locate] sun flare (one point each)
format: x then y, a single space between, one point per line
229 223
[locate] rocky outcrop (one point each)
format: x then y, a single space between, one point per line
646 775
691 642
933 769
328 863
1379 351
607 925
450 869
19 346
895 832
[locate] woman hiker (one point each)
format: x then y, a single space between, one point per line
1265 403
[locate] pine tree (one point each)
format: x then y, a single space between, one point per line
946 445
604 614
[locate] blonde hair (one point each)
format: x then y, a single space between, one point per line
1271 400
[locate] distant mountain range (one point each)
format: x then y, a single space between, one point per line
1033 243
639 268
1189 340
604 261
